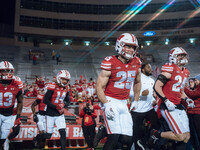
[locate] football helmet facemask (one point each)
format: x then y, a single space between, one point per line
126 39
175 52
6 70
63 74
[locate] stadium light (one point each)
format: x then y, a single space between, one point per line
166 41
67 42
148 43
107 43
192 40
87 43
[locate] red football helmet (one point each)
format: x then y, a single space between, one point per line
63 74
174 53
6 70
126 39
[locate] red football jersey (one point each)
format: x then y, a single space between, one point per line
122 76
8 94
172 89
59 93
41 105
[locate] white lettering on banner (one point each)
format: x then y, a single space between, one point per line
26 110
55 133
77 132
67 132
30 132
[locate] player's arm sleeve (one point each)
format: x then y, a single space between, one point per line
67 100
160 82
47 99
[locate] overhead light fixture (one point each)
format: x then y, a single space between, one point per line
68 42
166 41
148 43
192 40
107 43
87 43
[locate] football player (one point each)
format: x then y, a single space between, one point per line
168 87
10 90
40 117
113 88
57 93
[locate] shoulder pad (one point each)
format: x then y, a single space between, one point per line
51 86
107 63
168 67
19 84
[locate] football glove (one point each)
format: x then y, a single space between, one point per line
17 122
134 105
190 102
60 107
35 118
170 106
109 111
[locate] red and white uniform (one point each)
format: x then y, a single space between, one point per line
41 124
122 76
176 119
7 101
117 92
53 116
58 94
172 89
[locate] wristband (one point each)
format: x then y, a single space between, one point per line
163 98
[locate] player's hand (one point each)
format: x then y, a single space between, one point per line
35 118
134 105
170 106
17 122
109 111
60 107
190 102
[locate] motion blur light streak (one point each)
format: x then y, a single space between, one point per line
130 12
158 13
190 16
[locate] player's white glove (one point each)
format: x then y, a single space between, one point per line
109 111
134 105
170 106
190 102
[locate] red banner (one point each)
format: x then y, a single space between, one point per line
28 132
